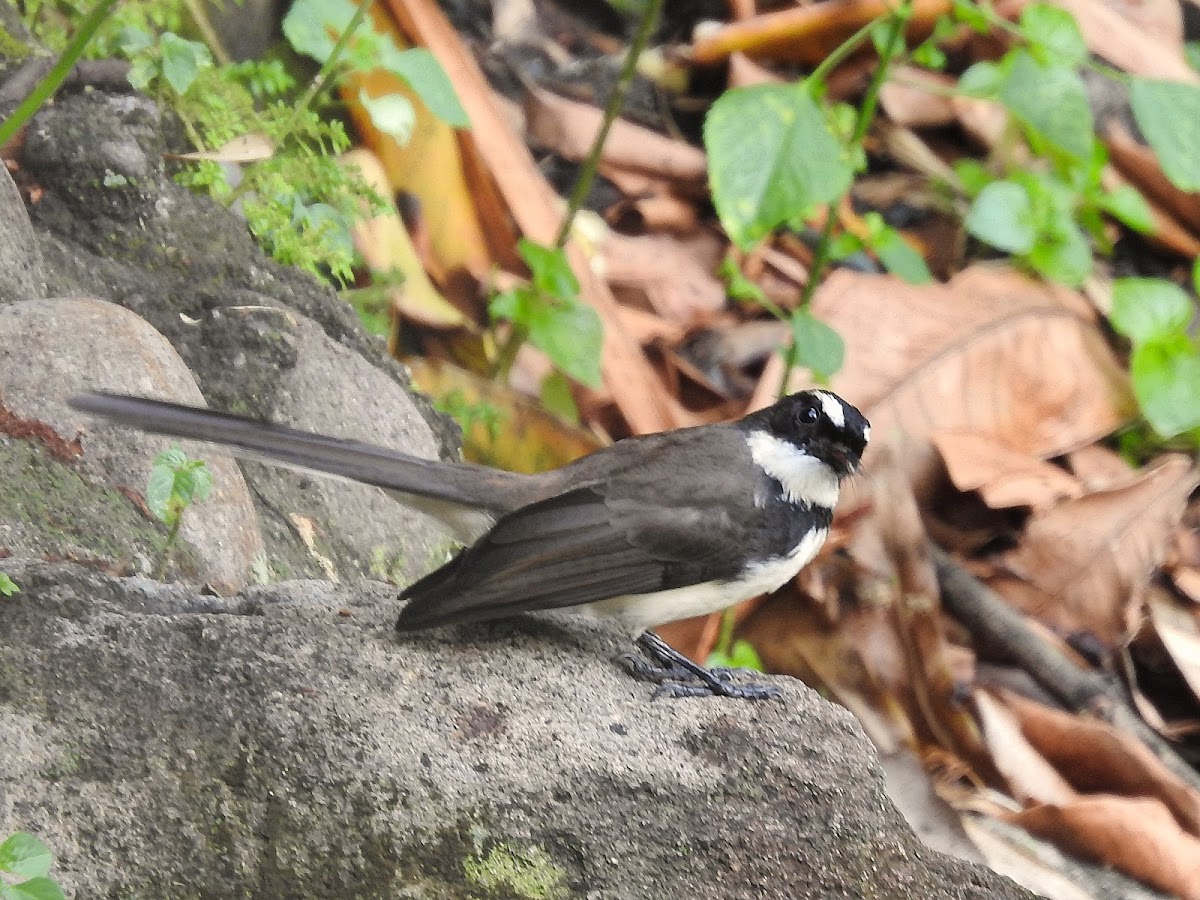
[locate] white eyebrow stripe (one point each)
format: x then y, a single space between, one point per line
833 408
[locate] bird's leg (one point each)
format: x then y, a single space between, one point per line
678 676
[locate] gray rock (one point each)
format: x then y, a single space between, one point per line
21 275
307 751
70 483
359 530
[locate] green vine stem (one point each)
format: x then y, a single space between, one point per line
866 114
58 73
616 101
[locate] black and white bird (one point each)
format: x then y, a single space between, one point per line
649 530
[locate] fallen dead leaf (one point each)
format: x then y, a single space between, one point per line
1029 776
1100 468
569 128
1138 837
1096 757
1090 557
1003 477
675 282
992 352
1179 630
243 149
918 98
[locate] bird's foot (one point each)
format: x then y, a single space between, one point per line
678 676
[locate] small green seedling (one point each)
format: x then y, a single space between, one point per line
8 587
24 857
175 483
551 316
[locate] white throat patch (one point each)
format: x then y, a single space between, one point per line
805 478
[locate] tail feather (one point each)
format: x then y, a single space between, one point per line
461 483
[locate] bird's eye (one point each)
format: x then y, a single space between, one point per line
809 415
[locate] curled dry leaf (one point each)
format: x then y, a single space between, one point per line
242 149
1089 558
676 279
918 98
1029 776
1178 627
1138 837
991 352
807 34
1100 468
385 246
1096 757
1003 477
569 128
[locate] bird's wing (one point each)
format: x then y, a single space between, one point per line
565 551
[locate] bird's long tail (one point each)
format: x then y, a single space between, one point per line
457 483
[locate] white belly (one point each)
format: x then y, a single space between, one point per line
641 611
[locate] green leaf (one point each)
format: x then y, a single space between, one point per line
1191 52
741 655
1129 207
1149 309
771 155
930 56
973 175
33 889
133 40
142 71
1055 32
1062 253
428 79
392 114
1168 113
1166 382
25 856
1002 215
550 269
815 345
897 256
737 285
971 15
312 27
1051 103
182 61
984 79
8 587
557 398
572 336
159 488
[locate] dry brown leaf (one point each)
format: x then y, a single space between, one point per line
677 284
807 34
1179 630
429 166
384 244
917 98
745 72
1029 776
1100 468
1003 477
569 128
242 149
1187 581
1097 757
537 210
1011 359
1138 837
1091 557
523 437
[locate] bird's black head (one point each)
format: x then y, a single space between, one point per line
820 424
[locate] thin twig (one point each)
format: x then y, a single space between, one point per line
1001 631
